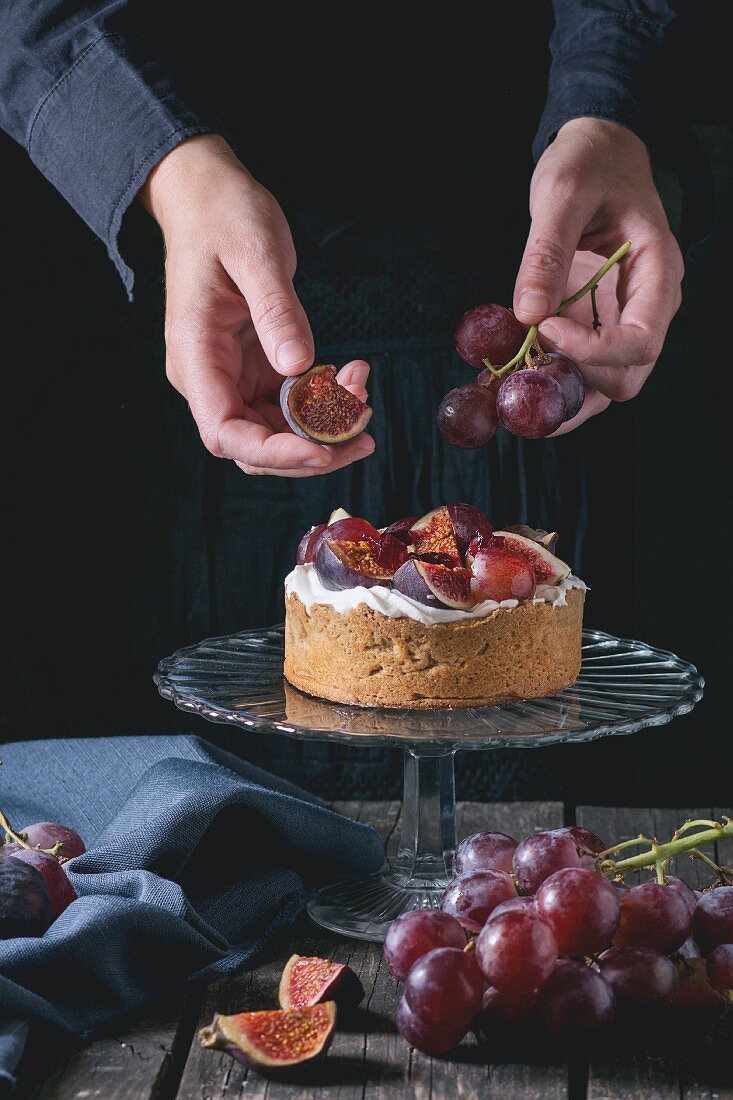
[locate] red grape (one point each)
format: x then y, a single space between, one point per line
470 898
444 988
584 839
414 934
60 890
638 975
517 950
500 574
484 852
575 1000
530 404
568 378
696 996
47 834
467 416
541 855
513 903
720 966
489 332
503 1010
686 892
425 1036
652 915
712 921
582 908
25 908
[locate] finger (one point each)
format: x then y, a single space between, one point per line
559 218
277 315
341 456
594 403
353 377
617 359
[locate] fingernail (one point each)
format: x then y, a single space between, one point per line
292 353
551 333
534 302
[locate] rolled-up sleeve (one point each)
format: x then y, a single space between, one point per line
611 59
95 107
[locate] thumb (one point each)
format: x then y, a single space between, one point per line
543 273
278 317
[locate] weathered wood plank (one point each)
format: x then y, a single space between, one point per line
138 1061
368 1059
680 1075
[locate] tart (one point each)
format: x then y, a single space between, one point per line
439 612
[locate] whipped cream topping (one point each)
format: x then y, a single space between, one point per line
303 582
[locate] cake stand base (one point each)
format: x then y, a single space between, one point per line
421 870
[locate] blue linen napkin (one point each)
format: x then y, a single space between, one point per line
195 859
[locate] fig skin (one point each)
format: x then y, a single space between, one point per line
417 580
325 981
355 415
336 574
237 1036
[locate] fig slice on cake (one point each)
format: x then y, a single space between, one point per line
547 568
340 565
316 407
547 538
435 585
434 534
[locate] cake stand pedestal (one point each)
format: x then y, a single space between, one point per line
623 686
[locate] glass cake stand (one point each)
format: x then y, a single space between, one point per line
624 686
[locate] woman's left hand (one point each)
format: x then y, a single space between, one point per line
592 190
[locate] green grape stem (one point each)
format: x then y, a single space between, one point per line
531 338
659 855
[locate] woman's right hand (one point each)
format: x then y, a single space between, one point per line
234 326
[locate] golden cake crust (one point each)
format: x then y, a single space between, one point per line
369 659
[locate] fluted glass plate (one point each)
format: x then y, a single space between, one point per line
623 686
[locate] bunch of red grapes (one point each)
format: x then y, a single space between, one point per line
34 886
531 400
532 939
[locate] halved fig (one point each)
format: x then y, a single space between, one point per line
468 523
547 568
435 585
304 553
272 1041
547 538
434 533
309 980
341 565
346 529
316 407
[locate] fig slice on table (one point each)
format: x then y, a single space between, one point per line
272 1041
309 980
547 568
435 585
341 565
316 407
434 534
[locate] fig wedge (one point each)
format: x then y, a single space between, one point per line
547 568
435 585
316 407
273 1041
309 980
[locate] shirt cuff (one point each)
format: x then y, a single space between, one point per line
99 131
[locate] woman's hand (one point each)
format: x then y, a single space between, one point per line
592 190
234 326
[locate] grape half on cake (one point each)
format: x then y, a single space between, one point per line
441 611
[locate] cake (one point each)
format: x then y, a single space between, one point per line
437 612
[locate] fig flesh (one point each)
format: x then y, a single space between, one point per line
342 565
309 980
435 585
434 533
273 1041
316 407
546 567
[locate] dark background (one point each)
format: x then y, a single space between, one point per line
97 467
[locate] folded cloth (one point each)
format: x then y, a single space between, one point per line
195 859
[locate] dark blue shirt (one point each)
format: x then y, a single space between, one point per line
90 91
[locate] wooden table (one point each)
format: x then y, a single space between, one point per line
155 1056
